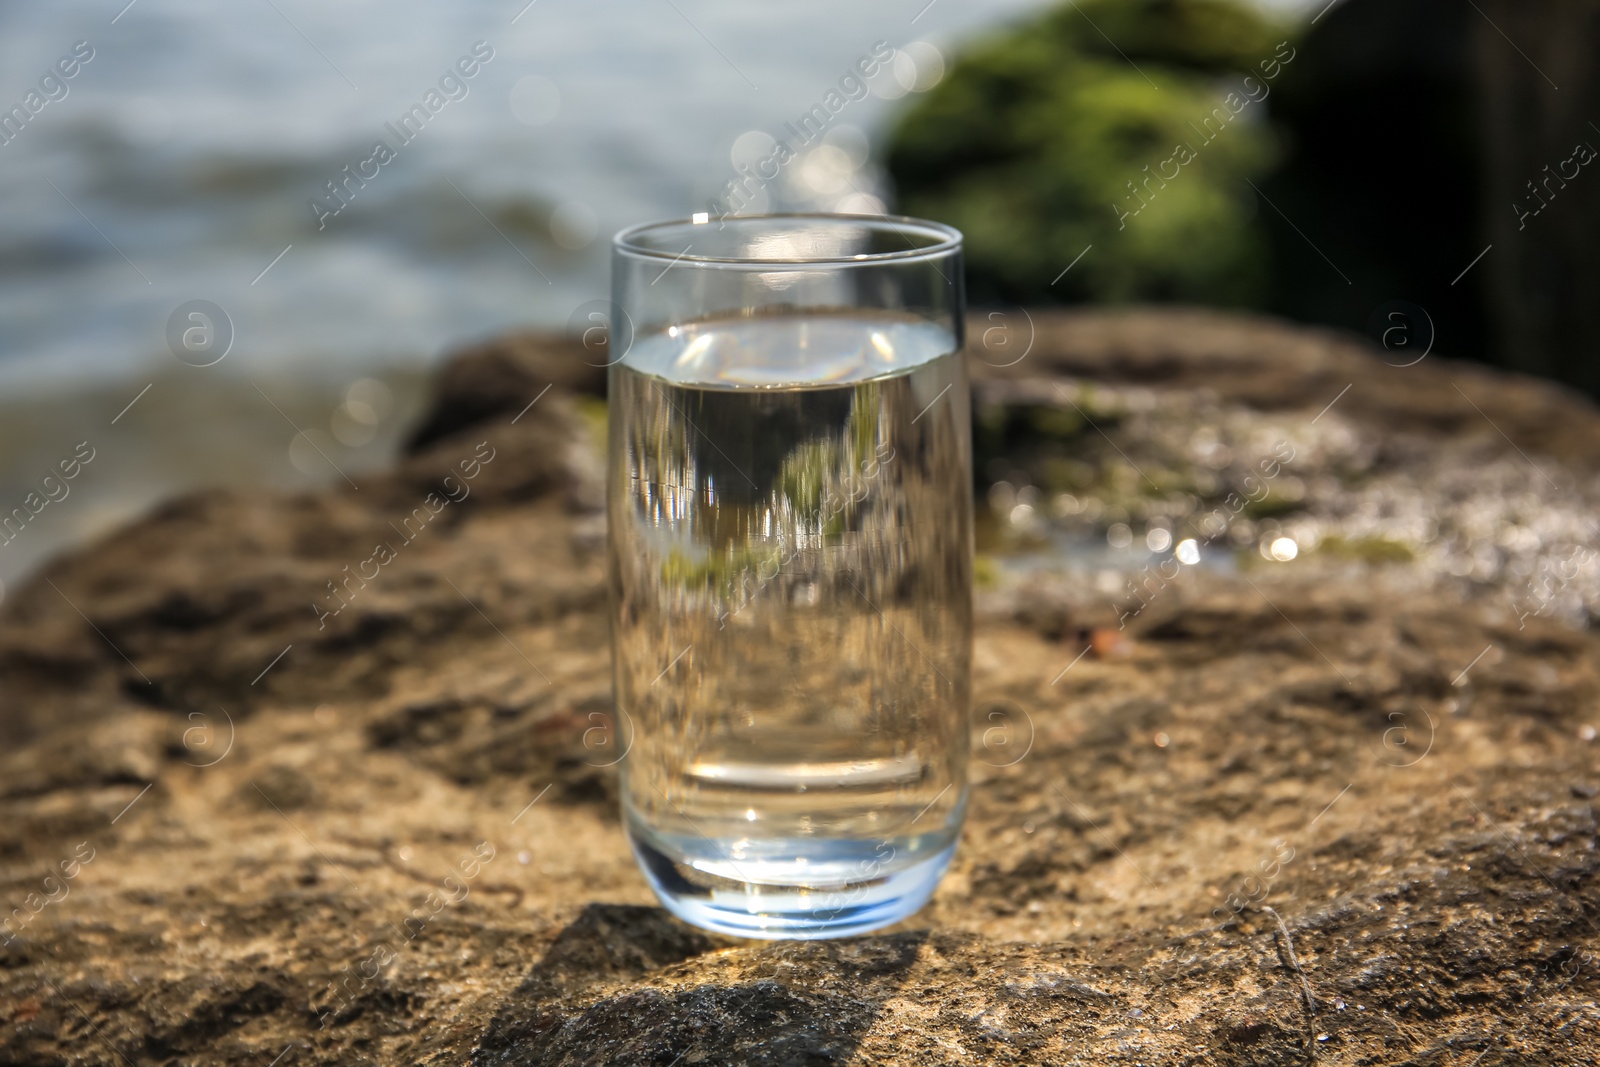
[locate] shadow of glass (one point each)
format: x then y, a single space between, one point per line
763 1003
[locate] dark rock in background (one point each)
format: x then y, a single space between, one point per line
1395 142
1541 99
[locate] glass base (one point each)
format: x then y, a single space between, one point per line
849 888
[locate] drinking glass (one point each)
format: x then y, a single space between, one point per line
789 501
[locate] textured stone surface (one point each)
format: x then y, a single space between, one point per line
1340 810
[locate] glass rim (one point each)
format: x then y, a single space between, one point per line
947 239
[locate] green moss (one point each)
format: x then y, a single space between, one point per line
985 571
1031 142
723 569
1069 475
1055 422
804 470
593 412
1369 549
679 571
1272 505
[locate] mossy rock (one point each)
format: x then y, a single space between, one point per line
1368 549
1034 143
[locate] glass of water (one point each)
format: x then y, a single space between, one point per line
789 500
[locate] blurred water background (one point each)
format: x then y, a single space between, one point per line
181 163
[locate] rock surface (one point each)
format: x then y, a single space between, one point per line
1337 810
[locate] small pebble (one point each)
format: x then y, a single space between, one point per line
1107 643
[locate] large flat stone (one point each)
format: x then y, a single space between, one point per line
1338 811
